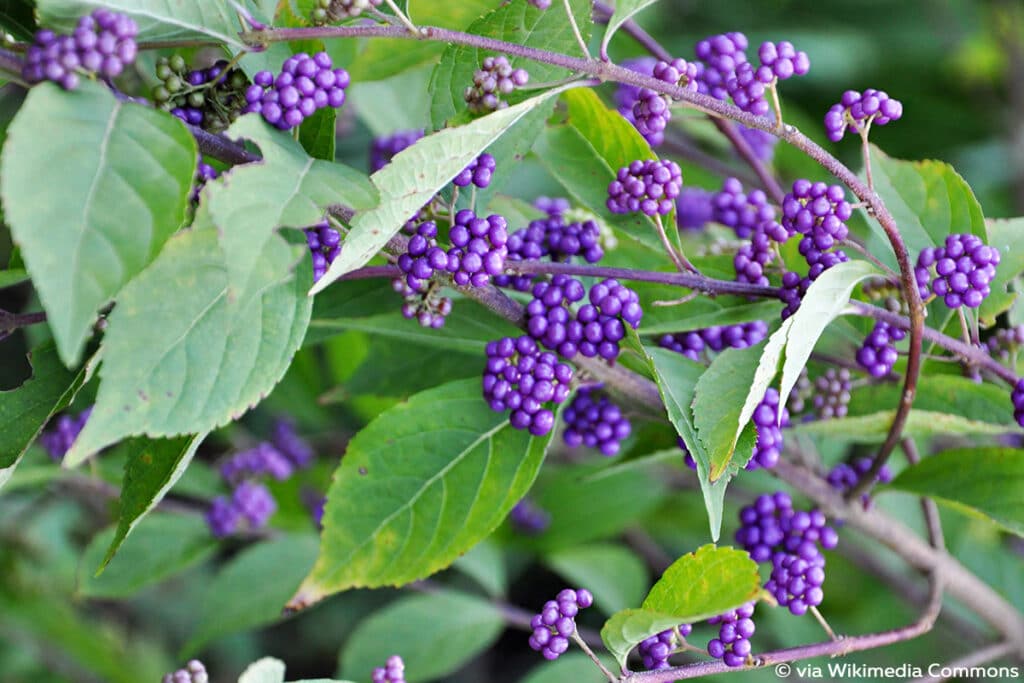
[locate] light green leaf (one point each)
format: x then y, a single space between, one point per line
9 278
318 135
251 589
982 481
950 394
120 190
436 634
414 176
163 546
420 485
151 469
157 19
616 576
874 427
572 666
266 670
628 628
624 11
24 411
181 357
1008 237
485 564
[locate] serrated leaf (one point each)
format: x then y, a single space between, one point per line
614 574
874 427
982 481
318 134
287 189
151 469
24 411
519 23
624 11
181 357
157 19
163 546
120 190
419 486
950 394
928 199
414 176
251 589
438 632
266 670
626 629
1008 237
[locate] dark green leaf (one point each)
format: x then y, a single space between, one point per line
951 394
9 278
317 134
874 427
614 574
1008 237
16 18
485 563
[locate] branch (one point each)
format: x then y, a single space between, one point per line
9 322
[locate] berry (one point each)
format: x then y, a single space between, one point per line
647 186
626 97
655 651
964 268
289 444
253 462
688 459
521 378
384 149
611 305
796 583
780 61
761 143
861 110
494 78
222 517
878 354
327 11
428 307
817 210
792 292
592 420
651 112
721 54
552 237
102 44
845 476
423 257
211 98
552 206
254 503
529 518
747 91
556 622
833 393
304 85
549 319
540 4
478 172
324 244
1017 398
693 344
752 258
693 208
478 249
62 433
768 447
734 631
192 672
771 525
743 212
204 174
800 392
1005 343
393 671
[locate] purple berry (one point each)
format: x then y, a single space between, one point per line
393 671
860 110
647 186
964 267
519 377
592 420
63 431
192 672
832 393
878 353
384 149
529 518
743 212
556 622
491 81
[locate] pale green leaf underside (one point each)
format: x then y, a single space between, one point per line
182 357
626 629
613 573
119 191
266 670
419 486
624 11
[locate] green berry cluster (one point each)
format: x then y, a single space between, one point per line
330 11
210 98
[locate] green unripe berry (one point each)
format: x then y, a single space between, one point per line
196 99
173 84
163 71
161 94
237 81
319 16
177 63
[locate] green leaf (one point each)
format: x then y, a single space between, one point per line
9 278
949 394
163 546
519 23
874 427
16 18
697 586
699 314
572 666
120 190
266 670
624 11
26 410
616 577
1008 237
251 589
151 469
157 19
414 176
317 134
485 564
928 200
438 633
288 188
181 357
982 481
420 485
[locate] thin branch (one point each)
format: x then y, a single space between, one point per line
9 322
584 48
590 653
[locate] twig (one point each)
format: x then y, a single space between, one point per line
584 48
679 259
590 653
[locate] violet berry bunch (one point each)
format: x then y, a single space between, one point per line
521 378
478 173
529 518
306 83
722 54
646 186
330 11
393 671
102 44
324 244
696 343
556 622
57 440
768 447
211 98
796 582
612 305
478 248
651 110
781 61
964 268
818 211
250 506
735 629
878 354
742 211
555 238
423 257
655 651
494 79
845 475
861 110
384 149
594 421
193 672
832 393
549 318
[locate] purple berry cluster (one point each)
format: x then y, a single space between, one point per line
479 172
192 672
262 459
251 504
57 440
540 4
521 378
384 149
752 259
651 110
735 629
304 85
478 249
655 651
612 305
1017 398
494 78
592 420
768 447
801 391
529 518
556 622
329 11
210 98
964 268
771 524
694 208
845 476
549 319
428 307
748 91
832 393
818 211
103 43
324 244
860 111
551 237
744 212
647 186
1005 343
761 143
722 55
393 671
694 344
796 582
627 96
794 286
422 257
878 353
781 61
